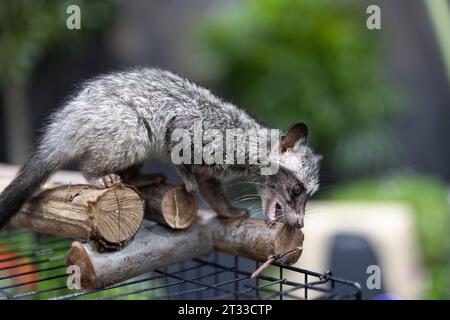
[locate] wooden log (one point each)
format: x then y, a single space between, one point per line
107 217
154 247
168 205
253 239
157 246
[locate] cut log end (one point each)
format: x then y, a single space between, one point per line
77 256
179 208
116 216
170 206
288 245
252 238
108 217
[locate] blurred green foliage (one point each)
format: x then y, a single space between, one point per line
29 28
429 198
315 61
310 60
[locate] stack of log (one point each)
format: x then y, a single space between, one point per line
114 243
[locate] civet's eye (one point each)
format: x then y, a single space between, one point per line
297 189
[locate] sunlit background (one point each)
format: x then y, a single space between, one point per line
377 103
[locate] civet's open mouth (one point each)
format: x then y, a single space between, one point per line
273 210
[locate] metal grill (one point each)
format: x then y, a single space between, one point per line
32 267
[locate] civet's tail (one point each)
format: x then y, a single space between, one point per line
35 171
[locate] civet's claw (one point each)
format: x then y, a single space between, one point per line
108 181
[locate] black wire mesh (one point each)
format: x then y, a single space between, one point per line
32 266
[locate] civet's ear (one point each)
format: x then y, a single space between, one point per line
297 133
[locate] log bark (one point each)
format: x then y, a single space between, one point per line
253 239
168 205
107 217
83 212
154 247
157 246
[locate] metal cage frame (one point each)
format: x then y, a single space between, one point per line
35 269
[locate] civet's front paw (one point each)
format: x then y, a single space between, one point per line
108 181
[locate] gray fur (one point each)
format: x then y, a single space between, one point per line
119 120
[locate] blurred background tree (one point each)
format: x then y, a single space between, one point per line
28 29
313 61
285 61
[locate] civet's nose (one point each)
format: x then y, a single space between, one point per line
300 223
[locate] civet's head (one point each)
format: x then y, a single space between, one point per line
297 178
